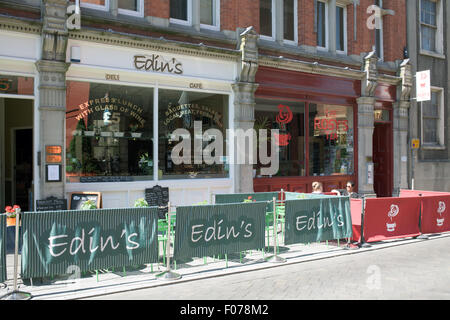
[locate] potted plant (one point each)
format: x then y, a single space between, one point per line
133 128
146 164
141 203
88 205
11 215
90 132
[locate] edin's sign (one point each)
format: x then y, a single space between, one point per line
158 63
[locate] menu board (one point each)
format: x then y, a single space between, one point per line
77 198
51 204
158 196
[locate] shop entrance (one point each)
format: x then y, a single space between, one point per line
382 159
16 156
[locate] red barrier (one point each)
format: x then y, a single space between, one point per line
435 214
415 193
388 218
355 209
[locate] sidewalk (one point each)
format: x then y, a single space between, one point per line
139 277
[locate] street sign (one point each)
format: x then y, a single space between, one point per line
423 91
415 144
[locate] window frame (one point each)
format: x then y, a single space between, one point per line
139 13
440 143
216 10
187 22
96 6
344 27
272 37
295 41
439 29
326 27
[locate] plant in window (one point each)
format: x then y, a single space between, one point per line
88 205
141 203
146 163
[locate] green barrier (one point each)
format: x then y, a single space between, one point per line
315 220
209 230
240 197
297 196
56 242
2 248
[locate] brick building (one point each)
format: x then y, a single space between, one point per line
331 76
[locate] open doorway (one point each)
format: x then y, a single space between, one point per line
382 159
16 156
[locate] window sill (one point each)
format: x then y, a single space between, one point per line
432 54
433 147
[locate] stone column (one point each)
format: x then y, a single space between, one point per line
400 124
365 144
244 104
52 90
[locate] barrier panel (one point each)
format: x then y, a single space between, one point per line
209 230
297 196
388 218
240 197
315 220
435 214
61 242
416 193
2 247
356 206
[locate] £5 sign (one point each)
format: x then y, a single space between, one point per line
391 214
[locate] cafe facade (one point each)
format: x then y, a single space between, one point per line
101 109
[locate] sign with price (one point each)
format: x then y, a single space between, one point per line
423 90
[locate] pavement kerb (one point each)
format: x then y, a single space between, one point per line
267 265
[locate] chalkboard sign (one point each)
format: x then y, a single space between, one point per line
158 196
76 199
51 204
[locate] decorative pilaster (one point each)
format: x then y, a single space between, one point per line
400 124
244 103
52 70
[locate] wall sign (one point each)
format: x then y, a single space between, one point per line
53 173
157 63
423 90
76 199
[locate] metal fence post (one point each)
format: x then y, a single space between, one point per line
363 244
16 294
168 274
421 236
275 258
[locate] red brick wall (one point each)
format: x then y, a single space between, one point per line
157 8
306 34
394 29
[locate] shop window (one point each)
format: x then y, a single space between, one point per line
267 18
290 20
331 133
193 113
431 26
210 14
321 24
432 119
16 85
95 4
289 118
180 11
131 7
109 133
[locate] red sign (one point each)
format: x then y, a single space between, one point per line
390 218
435 214
284 117
330 124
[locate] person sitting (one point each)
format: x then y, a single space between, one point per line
317 187
348 192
